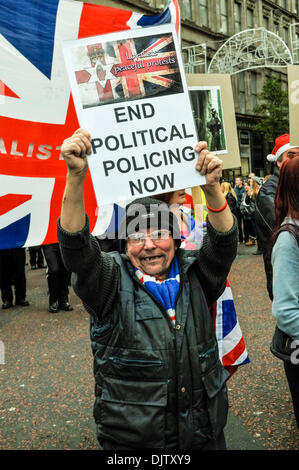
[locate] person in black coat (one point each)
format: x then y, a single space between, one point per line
58 279
239 191
133 332
12 273
264 205
230 196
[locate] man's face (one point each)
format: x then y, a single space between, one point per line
291 153
152 255
238 182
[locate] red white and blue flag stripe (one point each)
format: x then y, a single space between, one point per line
37 111
231 344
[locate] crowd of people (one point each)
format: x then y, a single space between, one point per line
150 296
241 195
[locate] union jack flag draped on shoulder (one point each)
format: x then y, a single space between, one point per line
231 344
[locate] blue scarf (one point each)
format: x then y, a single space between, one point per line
164 291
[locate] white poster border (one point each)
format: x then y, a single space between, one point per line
173 108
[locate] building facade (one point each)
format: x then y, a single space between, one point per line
206 25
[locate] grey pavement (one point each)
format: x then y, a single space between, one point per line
237 435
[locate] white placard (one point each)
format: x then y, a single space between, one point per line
130 93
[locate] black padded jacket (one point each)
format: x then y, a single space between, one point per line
156 386
265 219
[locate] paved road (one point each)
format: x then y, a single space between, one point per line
47 383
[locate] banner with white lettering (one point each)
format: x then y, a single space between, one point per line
130 93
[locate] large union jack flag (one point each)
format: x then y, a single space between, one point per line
37 111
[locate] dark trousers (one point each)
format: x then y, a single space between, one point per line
36 256
240 228
249 229
58 277
259 247
12 272
292 374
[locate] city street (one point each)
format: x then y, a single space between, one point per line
47 383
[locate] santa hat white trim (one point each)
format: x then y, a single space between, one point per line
280 151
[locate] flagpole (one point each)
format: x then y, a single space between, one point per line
197 204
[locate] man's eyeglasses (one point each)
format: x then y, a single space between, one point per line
156 236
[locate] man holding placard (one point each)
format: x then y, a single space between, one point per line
159 381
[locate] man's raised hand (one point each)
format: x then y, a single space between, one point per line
208 164
74 151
